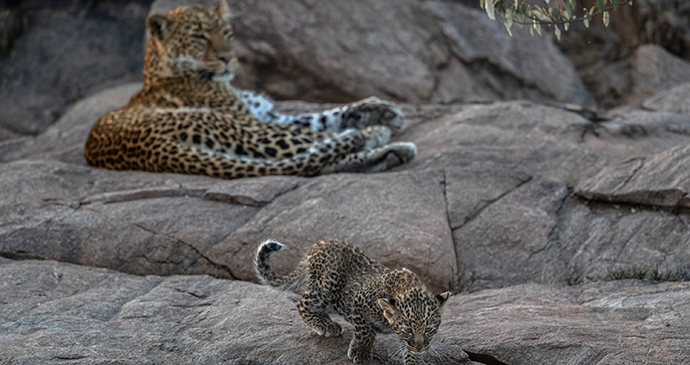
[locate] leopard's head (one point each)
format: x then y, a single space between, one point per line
415 316
193 41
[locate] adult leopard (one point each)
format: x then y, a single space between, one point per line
189 119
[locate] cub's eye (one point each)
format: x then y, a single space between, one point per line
200 36
408 331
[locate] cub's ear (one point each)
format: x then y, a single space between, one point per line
158 25
442 299
224 11
388 306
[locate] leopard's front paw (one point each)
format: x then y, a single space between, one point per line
331 329
360 355
373 111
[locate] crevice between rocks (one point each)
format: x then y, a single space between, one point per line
490 202
642 161
557 215
199 253
450 228
486 359
154 286
602 204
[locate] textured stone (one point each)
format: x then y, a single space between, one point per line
490 186
654 69
68 51
675 100
406 50
608 323
53 312
397 218
507 242
661 180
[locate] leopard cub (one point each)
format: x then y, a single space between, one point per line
336 274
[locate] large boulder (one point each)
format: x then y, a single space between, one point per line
406 50
654 69
486 203
673 100
68 51
53 313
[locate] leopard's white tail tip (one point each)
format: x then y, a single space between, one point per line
271 245
263 269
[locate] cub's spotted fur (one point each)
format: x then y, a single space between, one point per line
336 274
188 119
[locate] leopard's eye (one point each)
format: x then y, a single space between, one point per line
200 36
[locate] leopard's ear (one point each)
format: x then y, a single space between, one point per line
388 306
442 299
224 11
158 25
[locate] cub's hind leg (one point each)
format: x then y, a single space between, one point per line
312 308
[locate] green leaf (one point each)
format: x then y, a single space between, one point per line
600 4
509 20
616 4
490 9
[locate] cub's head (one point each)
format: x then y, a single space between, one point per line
415 316
190 41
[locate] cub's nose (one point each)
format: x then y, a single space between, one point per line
225 58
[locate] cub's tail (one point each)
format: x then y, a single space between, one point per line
293 281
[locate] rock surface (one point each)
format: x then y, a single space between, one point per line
54 312
409 50
660 181
654 69
674 100
172 224
488 194
69 50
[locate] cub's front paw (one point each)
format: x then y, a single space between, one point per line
373 111
359 356
329 330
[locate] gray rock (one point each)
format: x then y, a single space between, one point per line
6 134
653 70
661 180
490 185
398 218
54 312
408 51
601 323
675 100
88 110
167 224
68 51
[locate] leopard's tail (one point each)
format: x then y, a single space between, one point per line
293 281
